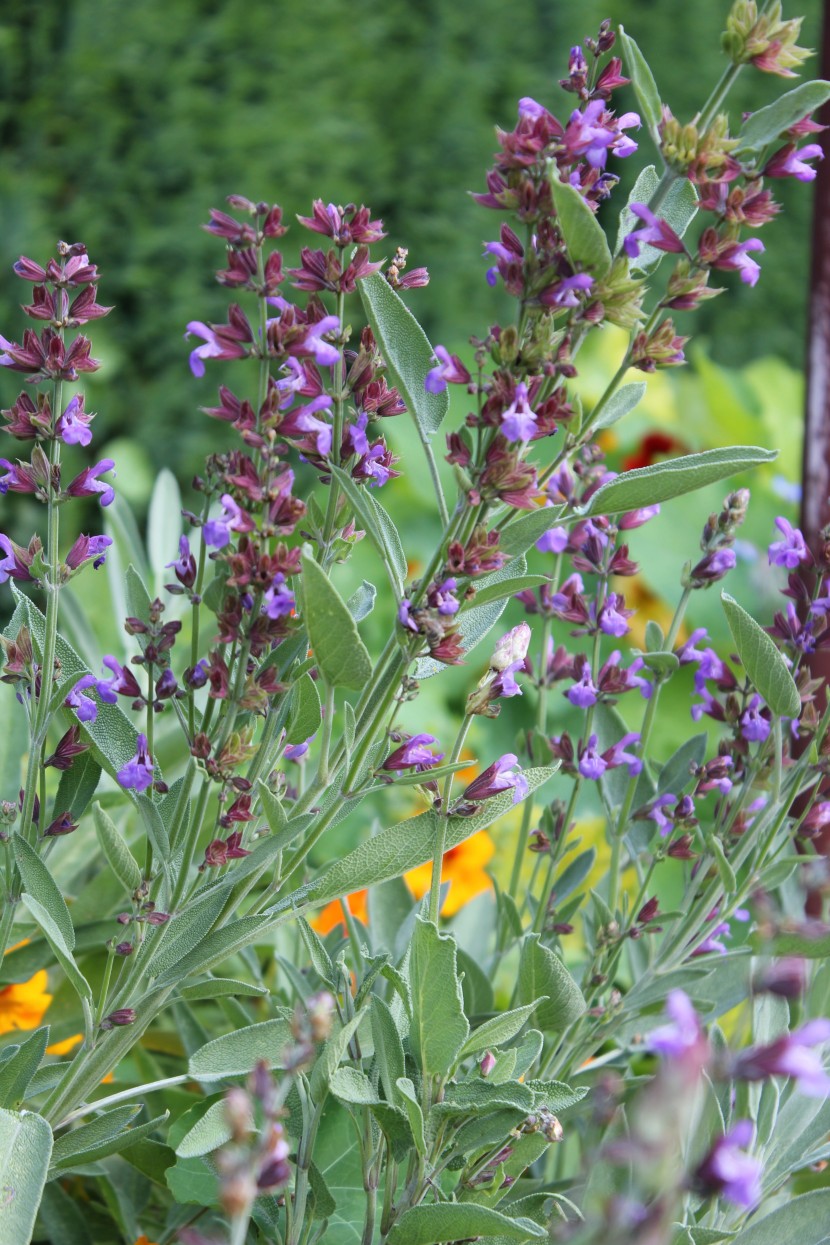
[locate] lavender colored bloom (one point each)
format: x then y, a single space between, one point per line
84 706
687 652
137 774
713 567
754 727
504 685
656 814
790 551
554 540
356 440
73 425
728 1172
441 597
217 532
655 232
405 615
87 484
583 693
372 466
449 370
565 293
636 518
278 601
122 682
518 422
304 418
587 136
738 260
211 348
295 752
86 547
325 354
499 777
184 566
611 621
790 1055
684 1033
415 753
619 755
591 765
791 161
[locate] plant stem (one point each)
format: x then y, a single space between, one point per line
541 722
441 829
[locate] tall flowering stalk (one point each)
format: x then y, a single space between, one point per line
393 1037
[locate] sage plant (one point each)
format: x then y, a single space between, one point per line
396 1077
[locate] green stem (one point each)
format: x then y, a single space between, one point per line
105 986
441 829
541 722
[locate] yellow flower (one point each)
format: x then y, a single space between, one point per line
64 1047
23 1004
463 868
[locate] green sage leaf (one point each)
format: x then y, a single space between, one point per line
439 1028
25 1151
765 665
768 124
406 350
306 715
585 238
338 649
456 1221
42 886
541 972
119 857
660 482
645 88
235 1054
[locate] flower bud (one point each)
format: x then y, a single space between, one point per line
487 1063
511 648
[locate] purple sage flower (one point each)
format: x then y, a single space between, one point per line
87 484
655 232
498 777
518 422
137 774
122 682
754 727
86 547
790 1055
728 1172
791 161
450 370
84 706
73 425
583 693
792 550
278 602
554 540
217 532
414 753
684 1031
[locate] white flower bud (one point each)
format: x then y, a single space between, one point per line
511 647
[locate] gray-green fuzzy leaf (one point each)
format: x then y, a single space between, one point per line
339 652
379 528
439 1027
77 785
767 124
58 944
803 1220
42 886
762 661
522 533
306 715
660 482
542 972
456 1221
585 238
618 405
25 1151
119 857
236 1053
406 350
17 1072
645 88
498 1029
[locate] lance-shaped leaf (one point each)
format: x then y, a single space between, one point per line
678 206
338 650
17 1072
402 847
645 88
78 785
164 525
618 405
457 1221
234 1054
801 1221
378 526
766 667
522 533
585 238
498 1029
306 715
646 485
541 972
42 886
768 124
62 952
25 1151
439 1027
406 350
119 857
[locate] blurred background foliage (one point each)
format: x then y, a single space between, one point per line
123 124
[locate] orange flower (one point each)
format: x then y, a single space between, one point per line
23 1004
332 914
142 1240
64 1047
463 868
